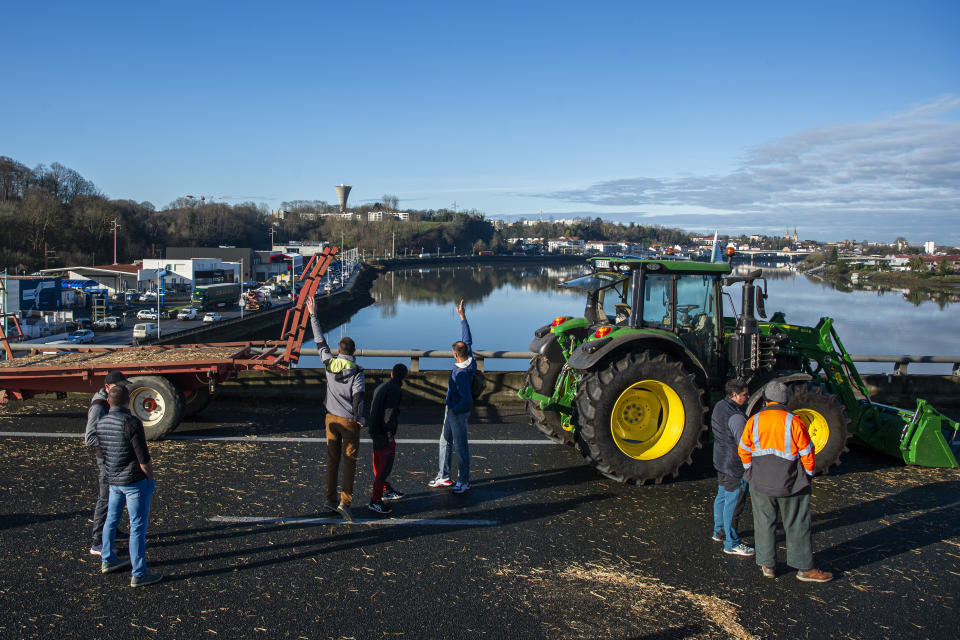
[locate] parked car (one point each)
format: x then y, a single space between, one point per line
145 330
212 316
81 336
83 323
147 314
132 292
113 322
187 313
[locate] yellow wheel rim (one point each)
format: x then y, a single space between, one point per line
647 420
817 427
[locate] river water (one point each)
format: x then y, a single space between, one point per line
415 309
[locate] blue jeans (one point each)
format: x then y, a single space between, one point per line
726 511
137 498
455 433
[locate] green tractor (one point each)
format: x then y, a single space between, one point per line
630 383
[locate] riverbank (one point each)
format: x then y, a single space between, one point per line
844 276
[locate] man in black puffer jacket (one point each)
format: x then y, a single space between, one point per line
98 408
130 474
727 425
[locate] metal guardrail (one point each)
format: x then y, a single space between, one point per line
900 362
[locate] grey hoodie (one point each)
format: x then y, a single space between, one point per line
345 385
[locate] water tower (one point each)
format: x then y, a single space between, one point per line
343 192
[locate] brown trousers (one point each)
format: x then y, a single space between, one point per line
343 435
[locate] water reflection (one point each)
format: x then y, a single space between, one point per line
414 308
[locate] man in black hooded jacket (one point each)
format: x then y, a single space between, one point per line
384 413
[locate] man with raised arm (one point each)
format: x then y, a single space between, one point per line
457 407
344 404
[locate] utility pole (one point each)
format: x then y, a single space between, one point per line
116 225
242 305
393 247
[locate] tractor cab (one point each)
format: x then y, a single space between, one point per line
681 298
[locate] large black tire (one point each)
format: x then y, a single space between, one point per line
157 402
542 378
639 417
826 421
195 401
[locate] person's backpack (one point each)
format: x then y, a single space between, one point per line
477 384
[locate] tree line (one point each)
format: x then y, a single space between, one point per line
51 216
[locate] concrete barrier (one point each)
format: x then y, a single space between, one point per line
420 388
429 387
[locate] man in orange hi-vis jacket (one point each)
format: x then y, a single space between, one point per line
778 463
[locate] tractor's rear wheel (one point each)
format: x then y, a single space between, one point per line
542 378
639 417
826 421
157 402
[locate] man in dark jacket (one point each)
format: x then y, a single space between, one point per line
457 407
384 415
727 425
779 460
344 404
98 408
130 474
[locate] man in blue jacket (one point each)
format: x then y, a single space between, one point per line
458 403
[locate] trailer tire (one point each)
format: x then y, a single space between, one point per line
826 421
542 378
157 402
639 417
195 401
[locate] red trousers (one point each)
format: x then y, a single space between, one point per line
382 466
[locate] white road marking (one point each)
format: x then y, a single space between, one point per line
445 522
30 434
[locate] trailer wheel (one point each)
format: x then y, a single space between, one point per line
195 401
826 421
157 402
639 417
542 378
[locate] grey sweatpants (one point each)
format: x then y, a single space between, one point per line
795 512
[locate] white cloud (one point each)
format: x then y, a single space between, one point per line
886 173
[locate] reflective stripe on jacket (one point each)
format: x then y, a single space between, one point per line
773 442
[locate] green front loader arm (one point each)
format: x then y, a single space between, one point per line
917 437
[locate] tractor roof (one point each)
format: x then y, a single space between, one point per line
675 266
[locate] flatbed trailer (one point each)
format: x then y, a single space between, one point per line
167 383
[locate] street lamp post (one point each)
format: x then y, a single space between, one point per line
116 225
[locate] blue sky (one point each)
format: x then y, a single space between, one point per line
840 118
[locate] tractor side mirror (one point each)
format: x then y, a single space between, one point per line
761 310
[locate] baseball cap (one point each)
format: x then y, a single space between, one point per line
115 377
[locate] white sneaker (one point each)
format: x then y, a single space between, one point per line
740 550
440 482
461 487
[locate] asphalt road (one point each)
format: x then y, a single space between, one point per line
541 547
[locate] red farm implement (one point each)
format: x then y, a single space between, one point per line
169 382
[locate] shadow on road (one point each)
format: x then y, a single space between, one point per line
939 519
357 536
15 520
